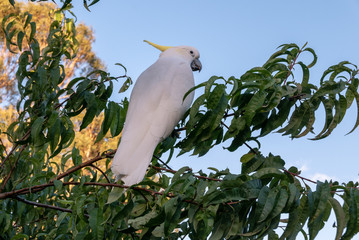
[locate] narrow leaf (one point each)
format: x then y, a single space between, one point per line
340 215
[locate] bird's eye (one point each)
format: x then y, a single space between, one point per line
191 52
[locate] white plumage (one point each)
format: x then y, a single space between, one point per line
156 106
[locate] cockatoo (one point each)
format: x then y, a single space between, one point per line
155 108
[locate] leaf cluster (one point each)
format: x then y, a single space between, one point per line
23 18
261 100
75 199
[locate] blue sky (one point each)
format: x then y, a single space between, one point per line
232 37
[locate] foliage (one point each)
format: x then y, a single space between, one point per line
262 99
84 62
74 199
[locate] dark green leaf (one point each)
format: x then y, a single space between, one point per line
356 95
36 128
20 37
340 215
126 85
254 105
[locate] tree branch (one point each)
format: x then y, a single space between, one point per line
38 188
297 175
43 205
12 170
27 134
292 65
84 164
162 162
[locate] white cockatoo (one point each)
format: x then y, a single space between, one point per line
156 106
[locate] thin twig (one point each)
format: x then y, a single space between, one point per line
252 150
197 176
143 195
291 66
103 173
12 170
228 115
37 188
163 169
27 134
4 146
42 205
297 175
162 162
84 164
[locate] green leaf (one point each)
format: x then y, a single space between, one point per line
340 215
125 85
215 96
20 236
114 195
254 105
294 121
352 214
194 111
20 37
109 116
237 125
294 224
280 203
328 107
96 223
210 83
33 31
219 229
92 3
269 204
58 185
247 157
253 164
318 209
356 95
76 157
268 172
309 125
305 69
54 134
293 196
89 116
61 218
36 128
315 57
193 89
322 195
329 88
172 210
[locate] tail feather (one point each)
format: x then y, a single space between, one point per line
131 160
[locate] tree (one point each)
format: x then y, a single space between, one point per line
37 193
84 62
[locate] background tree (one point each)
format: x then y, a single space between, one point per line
84 62
83 202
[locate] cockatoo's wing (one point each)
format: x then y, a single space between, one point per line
155 108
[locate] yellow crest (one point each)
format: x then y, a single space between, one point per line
159 47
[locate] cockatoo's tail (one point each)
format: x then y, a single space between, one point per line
159 47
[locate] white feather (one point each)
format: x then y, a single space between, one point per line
155 108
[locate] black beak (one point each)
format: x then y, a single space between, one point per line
196 65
